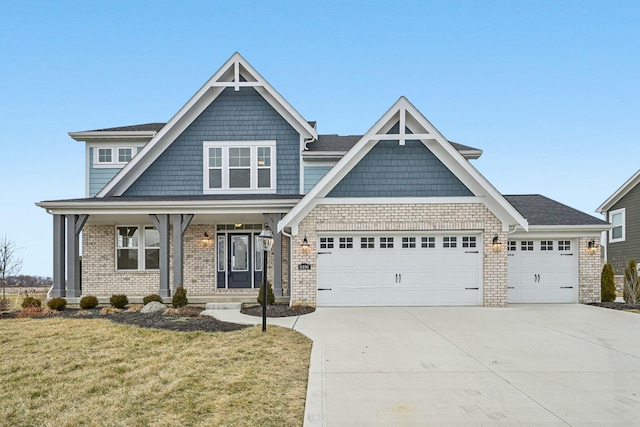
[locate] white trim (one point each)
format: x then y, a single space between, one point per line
111 135
225 168
622 213
620 193
192 109
421 129
87 171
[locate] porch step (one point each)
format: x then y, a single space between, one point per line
223 306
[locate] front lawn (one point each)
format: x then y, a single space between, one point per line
75 372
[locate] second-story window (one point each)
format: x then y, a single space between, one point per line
239 167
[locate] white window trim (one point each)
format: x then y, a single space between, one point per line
624 225
115 154
225 145
141 248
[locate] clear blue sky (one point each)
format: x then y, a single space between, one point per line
548 89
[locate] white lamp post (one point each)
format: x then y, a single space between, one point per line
266 241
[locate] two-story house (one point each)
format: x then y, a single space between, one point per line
396 216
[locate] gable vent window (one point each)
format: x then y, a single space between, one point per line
239 167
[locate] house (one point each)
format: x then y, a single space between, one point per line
397 216
622 210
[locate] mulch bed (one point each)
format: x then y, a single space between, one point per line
276 310
616 305
187 319
187 322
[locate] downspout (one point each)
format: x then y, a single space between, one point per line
290 263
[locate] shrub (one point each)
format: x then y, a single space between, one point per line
119 301
4 304
271 298
631 291
607 284
180 297
88 302
153 297
31 302
57 304
30 311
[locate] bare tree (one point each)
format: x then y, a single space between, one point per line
10 264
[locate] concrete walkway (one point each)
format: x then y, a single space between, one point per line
523 365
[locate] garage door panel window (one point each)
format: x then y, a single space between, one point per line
386 242
367 243
468 242
546 245
408 242
346 243
526 245
428 242
326 243
449 242
511 246
564 245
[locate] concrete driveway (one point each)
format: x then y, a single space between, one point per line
522 365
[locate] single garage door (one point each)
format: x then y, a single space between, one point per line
399 269
543 271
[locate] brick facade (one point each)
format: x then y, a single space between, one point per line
399 217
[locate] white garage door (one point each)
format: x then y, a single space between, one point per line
399 269
542 271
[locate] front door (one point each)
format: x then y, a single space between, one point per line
239 267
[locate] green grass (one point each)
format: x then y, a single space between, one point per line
68 372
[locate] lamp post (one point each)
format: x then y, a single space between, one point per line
266 241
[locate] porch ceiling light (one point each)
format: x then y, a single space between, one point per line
496 245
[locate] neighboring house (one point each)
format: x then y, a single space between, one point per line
622 210
397 216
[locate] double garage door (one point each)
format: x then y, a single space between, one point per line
542 271
399 269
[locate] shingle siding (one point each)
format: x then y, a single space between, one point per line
619 253
99 177
233 116
313 174
393 170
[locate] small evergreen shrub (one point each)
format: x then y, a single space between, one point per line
631 292
31 302
271 298
88 302
57 304
607 284
119 301
153 297
180 298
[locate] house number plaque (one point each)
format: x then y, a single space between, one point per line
304 266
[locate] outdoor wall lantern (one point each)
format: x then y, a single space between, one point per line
496 244
266 241
591 247
206 241
305 245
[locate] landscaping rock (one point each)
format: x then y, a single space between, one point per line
154 307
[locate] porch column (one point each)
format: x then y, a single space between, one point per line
272 221
180 224
58 256
74 227
162 224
